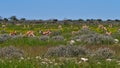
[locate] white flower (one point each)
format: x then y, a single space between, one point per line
84 59
28 58
108 59
21 58
38 57
55 63
1 60
78 40
45 59
98 63
10 61
43 62
72 42
19 61
53 60
50 62
118 61
116 40
79 62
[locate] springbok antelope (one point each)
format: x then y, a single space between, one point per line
3 26
30 34
48 32
85 27
13 33
75 32
60 27
102 27
119 30
110 25
108 33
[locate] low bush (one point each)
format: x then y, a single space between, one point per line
66 51
104 53
94 39
58 38
4 37
11 52
44 38
56 33
86 31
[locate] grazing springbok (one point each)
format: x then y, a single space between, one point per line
85 27
119 30
110 25
105 29
3 26
48 32
30 34
60 27
102 27
108 33
75 32
13 33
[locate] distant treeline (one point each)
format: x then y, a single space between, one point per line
15 20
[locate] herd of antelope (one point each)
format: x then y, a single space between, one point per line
28 33
48 32
100 26
31 33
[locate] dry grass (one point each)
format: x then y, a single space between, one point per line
115 48
34 50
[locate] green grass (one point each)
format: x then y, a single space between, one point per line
55 63
29 41
66 32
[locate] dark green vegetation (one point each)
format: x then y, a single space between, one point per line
92 39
